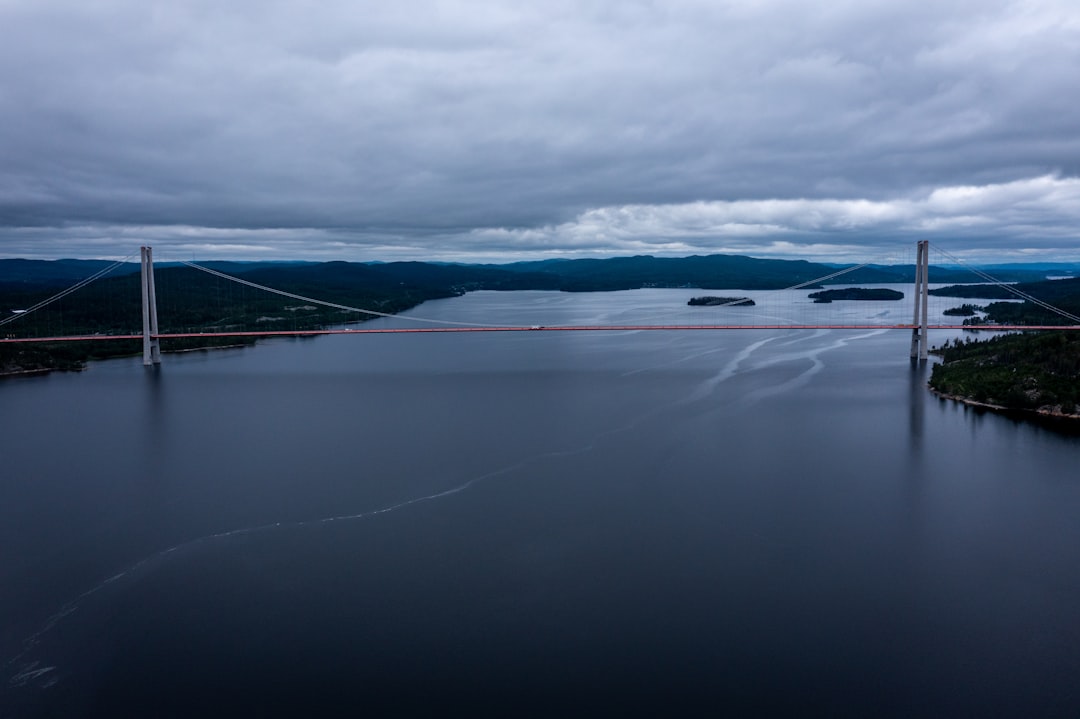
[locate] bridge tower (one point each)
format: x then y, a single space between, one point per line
919 343
151 343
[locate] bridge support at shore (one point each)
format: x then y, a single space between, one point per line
151 344
919 342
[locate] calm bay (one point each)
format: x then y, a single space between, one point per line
534 524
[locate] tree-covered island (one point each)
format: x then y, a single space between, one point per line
710 301
856 293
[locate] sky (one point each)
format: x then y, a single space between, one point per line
495 131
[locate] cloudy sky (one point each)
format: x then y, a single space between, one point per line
491 130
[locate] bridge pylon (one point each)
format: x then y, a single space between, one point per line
151 343
919 342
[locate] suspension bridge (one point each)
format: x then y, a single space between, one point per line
151 335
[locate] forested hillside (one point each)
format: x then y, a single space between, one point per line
1031 371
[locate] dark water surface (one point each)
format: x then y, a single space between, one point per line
694 523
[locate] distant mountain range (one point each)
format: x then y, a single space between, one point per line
71 271
571 275
1069 268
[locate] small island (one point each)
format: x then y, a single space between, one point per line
980 292
721 302
856 293
964 310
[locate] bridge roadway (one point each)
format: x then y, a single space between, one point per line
524 328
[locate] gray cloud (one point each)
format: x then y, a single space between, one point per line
500 130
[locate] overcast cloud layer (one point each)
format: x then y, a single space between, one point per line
495 131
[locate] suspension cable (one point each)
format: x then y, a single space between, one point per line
64 293
1011 288
333 305
827 277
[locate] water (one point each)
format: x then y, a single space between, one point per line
538 524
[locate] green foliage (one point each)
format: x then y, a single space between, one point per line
1021 371
856 293
710 301
964 310
1063 294
1028 313
68 356
980 292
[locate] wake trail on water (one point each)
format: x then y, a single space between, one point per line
672 363
741 363
804 338
800 380
728 371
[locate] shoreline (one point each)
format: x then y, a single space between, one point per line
1001 409
42 371
203 349
33 372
